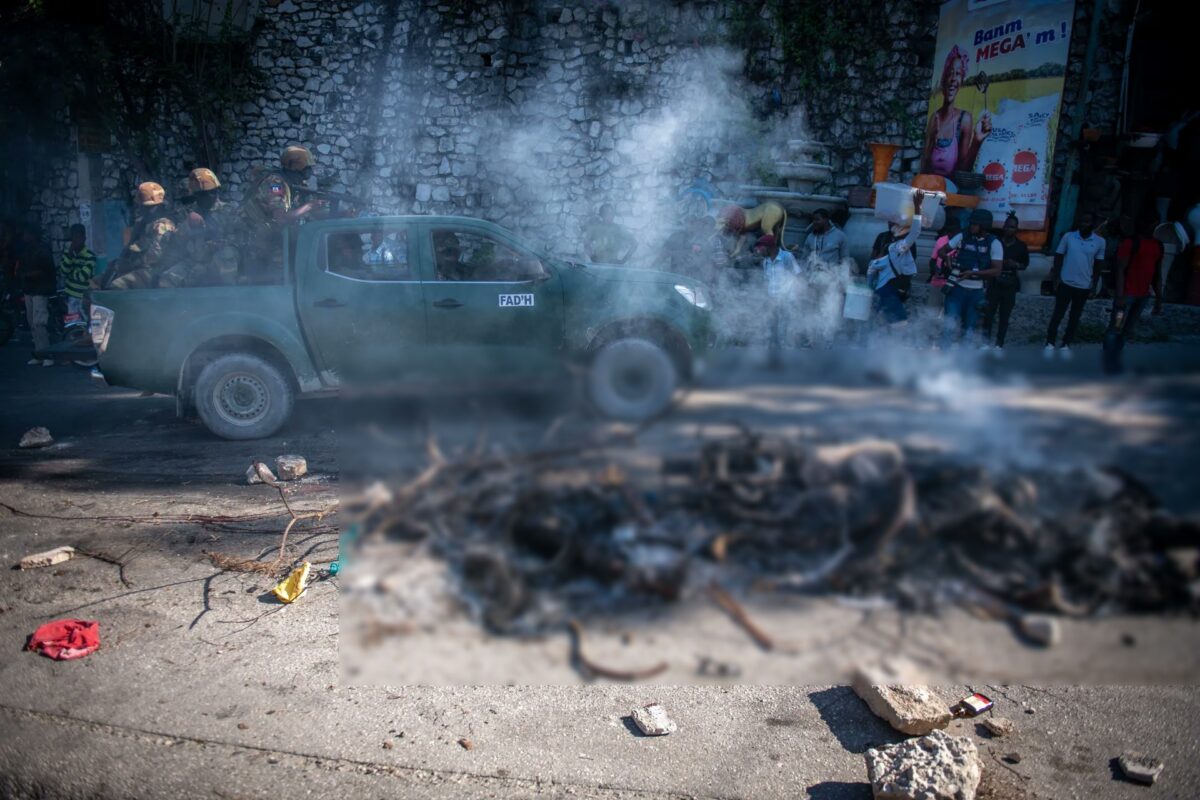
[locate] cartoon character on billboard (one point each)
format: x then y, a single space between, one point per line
952 137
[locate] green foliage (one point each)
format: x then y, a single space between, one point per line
816 38
137 68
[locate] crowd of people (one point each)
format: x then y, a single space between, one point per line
974 275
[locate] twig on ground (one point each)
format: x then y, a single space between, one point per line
590 669
739 615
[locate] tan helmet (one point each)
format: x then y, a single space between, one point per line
150 194
295 158
202 179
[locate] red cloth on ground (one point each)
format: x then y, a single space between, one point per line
64 639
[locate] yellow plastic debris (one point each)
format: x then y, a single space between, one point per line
293 586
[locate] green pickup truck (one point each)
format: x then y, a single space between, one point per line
407 302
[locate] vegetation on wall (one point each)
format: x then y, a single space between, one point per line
133 68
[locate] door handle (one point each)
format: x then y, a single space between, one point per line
449 302
329 302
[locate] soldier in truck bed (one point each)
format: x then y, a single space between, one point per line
150 243
208 233
274 200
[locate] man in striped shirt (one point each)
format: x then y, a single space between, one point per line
76 268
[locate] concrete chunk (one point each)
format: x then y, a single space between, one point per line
289 468
1140 767
37 437
1040 629
999 726
652 720
48 558
893 691
935 767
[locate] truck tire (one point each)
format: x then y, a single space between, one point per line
631 379
242 396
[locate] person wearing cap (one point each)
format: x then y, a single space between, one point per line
149 243
979 256
780 270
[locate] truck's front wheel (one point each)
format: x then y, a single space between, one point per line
241 396
632 379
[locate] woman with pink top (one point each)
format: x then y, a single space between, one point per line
939 268
952 138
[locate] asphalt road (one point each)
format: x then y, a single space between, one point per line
205 688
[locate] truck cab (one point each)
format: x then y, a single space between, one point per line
405 302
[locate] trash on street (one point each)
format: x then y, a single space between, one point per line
292 588
48 558
66 639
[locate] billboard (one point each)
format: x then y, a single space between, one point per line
998 77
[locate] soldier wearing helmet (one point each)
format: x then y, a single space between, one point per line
150 241
275 199
207 255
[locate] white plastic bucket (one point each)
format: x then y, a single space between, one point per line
894 202
858 302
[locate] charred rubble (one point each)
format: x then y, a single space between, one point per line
538 539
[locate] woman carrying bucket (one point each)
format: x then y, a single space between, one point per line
890 271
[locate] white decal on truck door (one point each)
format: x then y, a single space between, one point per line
516 301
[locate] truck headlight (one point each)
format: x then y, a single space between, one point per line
693 294
101 327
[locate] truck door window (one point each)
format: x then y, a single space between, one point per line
468 256
374 253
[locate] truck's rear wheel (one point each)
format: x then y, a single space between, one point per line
241 396
632 379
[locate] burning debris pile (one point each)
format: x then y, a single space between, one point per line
539 539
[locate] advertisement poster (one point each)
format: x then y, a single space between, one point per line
997 87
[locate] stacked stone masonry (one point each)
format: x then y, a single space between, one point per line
531 114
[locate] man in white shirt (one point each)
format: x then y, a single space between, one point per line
780 270
1074 275
979 255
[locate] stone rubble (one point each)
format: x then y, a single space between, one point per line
259 472
999 726
290 468
652 720
36 437
894 692
1140 767
1040 629
935 767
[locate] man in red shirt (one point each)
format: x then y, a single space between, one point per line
1138 275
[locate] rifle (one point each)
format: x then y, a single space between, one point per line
336 199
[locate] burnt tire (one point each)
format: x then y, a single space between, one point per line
242 396
631 379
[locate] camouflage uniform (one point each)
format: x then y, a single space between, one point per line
207 255
151 246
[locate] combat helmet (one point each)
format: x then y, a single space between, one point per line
296 158
150 194
202 179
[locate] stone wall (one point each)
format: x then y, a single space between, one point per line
531 113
